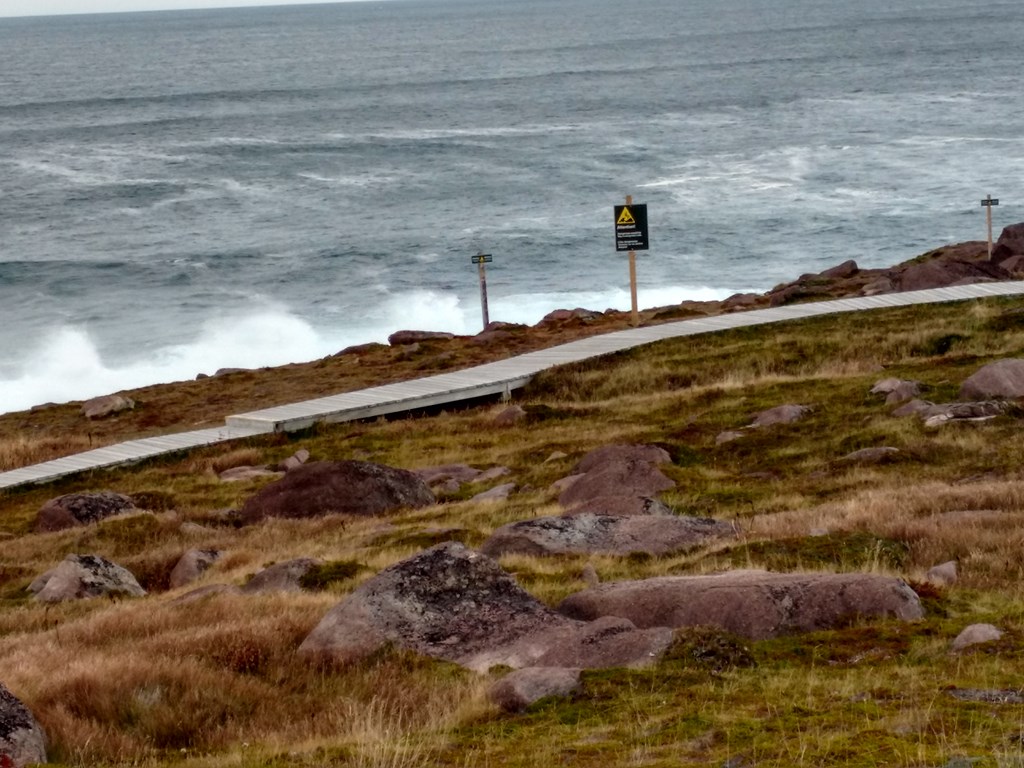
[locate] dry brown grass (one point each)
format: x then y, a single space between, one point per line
21 450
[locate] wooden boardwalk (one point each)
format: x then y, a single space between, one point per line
498 378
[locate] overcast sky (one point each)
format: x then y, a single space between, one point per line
47 7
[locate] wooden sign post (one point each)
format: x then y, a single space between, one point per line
987 203
631 235
480 259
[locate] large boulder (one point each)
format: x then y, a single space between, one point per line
618 454
617 471
84 576
1009 245
107 405
603 534
401 338
1003 378
937 273
75 509
452 603
338 487
752 604
22 741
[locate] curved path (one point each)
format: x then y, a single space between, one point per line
490 379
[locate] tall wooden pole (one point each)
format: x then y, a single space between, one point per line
483 290
988 219
635 312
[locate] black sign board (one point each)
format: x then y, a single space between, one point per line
990 201
482 258
631 228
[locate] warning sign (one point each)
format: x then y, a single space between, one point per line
631 228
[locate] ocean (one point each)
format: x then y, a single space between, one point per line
185 191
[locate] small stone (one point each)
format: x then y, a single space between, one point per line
943 574
780 414
497 493
521 688
975 634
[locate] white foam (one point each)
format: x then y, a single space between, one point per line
67 365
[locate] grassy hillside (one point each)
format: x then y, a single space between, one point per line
217 683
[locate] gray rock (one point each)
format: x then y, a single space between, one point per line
752 604
780 414
523 687
193 564
975 634
988 695
897 390
601 534
492 474
728 436
85 576
1003 378
108 405
981 411
943 574
280 577
75 509
915 408
297 459
22 741
497 493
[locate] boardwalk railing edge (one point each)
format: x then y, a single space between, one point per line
496 378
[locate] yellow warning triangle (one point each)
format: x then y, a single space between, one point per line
626 217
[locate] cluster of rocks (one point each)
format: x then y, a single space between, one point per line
611 508
789 413
453 603
450 479
986 394
954 264
959 264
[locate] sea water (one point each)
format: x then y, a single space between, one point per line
185 191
